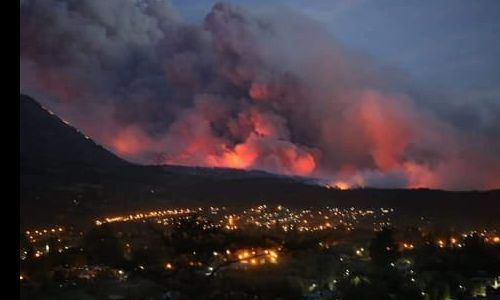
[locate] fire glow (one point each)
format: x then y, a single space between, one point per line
340 185
233 93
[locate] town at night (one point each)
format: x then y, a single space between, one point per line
315 253
260 150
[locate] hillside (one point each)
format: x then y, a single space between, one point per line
66 176
67 173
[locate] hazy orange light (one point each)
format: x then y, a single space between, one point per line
304 164
341 185
258 91
241 157
127 143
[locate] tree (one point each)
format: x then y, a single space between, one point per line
103 247
383 248
195 234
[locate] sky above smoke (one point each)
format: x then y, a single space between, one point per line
266 88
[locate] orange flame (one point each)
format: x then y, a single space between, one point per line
127 143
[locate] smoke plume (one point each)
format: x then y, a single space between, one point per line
242 90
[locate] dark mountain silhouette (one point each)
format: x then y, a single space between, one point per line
46 141
66 173
66 176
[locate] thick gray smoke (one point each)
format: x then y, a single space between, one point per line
269 91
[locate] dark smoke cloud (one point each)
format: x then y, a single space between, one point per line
268 91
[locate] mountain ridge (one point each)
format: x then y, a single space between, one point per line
66 176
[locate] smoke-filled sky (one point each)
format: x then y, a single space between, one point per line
357 93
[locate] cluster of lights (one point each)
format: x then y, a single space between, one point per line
256 257
91 272
304 220
488 237
144 216
241 257
405 246
456 241
264 217
38 234
39 238
360 251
